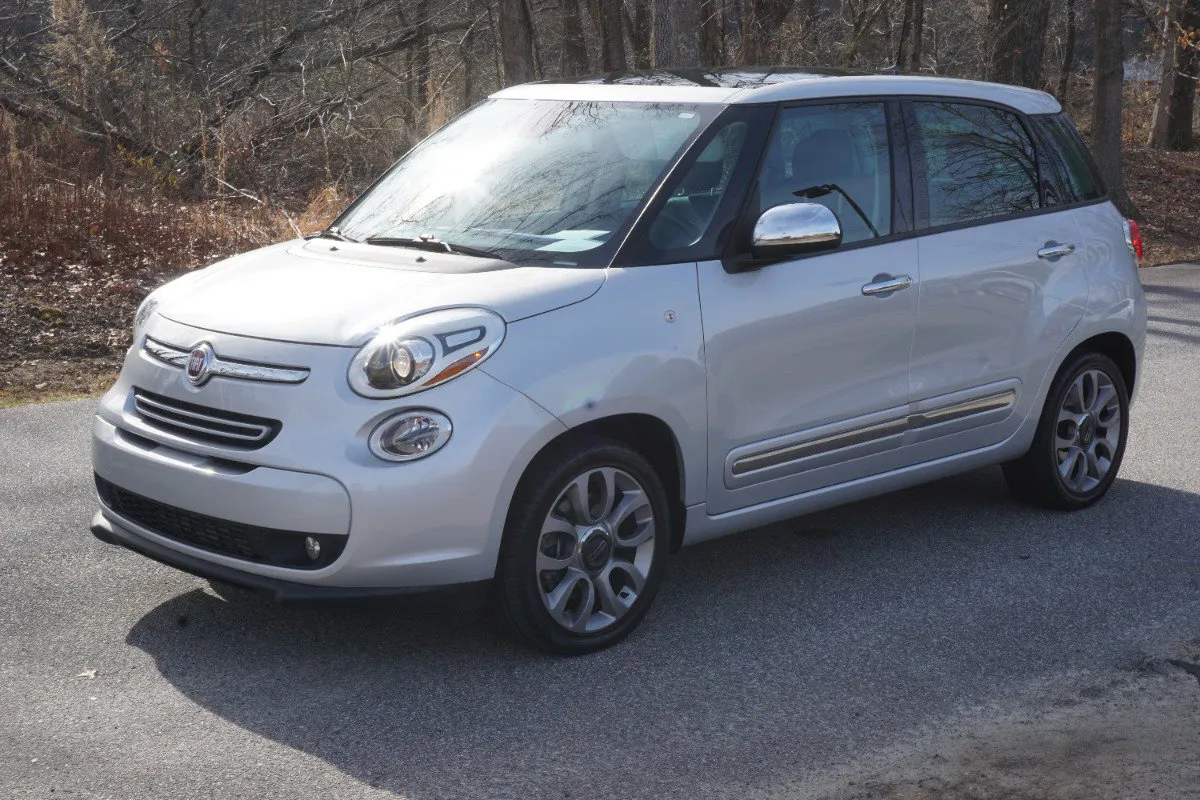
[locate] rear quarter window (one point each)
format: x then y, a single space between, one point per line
1067 172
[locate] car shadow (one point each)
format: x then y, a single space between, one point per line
766 655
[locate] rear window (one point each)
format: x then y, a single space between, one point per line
1067 172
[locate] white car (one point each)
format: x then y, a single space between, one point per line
588 323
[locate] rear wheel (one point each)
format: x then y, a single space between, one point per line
585 547
1080 438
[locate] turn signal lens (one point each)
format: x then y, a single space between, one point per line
462 365
410 435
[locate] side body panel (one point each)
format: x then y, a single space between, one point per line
635 347
992 316
797 355
1114 304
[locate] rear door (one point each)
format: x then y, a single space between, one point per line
1002 283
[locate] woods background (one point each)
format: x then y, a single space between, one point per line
142 138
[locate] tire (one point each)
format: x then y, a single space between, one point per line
1080 409
562 546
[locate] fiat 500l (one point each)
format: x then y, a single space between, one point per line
585 324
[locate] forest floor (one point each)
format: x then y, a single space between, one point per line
68 293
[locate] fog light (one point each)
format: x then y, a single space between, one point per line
410 435
312 547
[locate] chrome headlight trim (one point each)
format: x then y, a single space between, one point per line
460 338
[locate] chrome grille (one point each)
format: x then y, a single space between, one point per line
210 425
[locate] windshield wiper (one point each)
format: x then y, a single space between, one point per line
332 232
431 244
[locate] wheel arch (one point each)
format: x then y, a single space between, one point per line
653 439
1115 345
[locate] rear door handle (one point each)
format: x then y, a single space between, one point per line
886 284
1056 250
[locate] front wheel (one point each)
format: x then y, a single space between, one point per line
585 547
1080 438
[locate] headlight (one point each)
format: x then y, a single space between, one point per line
417 353
144 312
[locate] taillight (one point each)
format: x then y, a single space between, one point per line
1133 239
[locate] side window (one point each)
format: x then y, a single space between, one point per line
1069 175
835 155
685 221
979 162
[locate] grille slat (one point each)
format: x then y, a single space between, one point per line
210 425
236 539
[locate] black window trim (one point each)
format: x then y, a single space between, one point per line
635 250
909 207
1039 123
916 159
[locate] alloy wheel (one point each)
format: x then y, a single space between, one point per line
595 550
1088 431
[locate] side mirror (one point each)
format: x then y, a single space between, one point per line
795 228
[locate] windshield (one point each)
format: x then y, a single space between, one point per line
531 181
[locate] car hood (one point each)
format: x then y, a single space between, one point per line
336 293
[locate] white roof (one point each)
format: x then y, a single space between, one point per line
773 86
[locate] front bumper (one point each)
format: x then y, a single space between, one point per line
466 594
429 523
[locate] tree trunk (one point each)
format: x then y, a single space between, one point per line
606 14
517 48
1106 106
1017 33
1068 62
1171 125
761 21
637 23
712 33
676 32
573 58
918 33
902 56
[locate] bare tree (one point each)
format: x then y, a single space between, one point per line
863 17
761 23
676 31
637 23
1106 106
912 30
1171 125
518 48
712 32
1017 36
1068 60
573 57
607 16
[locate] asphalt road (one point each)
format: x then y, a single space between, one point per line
770 661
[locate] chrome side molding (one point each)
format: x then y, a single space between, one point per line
874 432
224 367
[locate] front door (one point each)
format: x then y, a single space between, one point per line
808 380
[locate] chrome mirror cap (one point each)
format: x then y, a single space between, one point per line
795 228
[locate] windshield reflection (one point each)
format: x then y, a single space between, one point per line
533 181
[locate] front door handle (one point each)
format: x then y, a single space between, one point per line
886 284
1056 250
